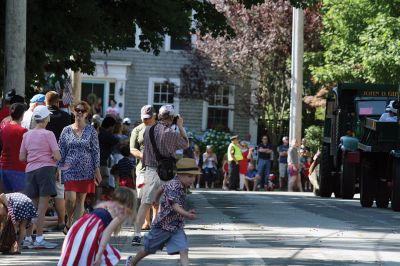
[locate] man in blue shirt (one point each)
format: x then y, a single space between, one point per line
264 161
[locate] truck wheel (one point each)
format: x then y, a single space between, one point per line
347 179
396 185
367 185
382 195
325 178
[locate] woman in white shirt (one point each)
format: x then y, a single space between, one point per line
209 166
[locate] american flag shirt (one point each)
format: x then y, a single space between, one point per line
168 219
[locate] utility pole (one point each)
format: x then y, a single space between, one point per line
15 46
296 92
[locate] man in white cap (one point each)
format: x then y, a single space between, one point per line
390 115
147 115
167 141
38 99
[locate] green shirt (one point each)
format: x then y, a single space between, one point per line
137 142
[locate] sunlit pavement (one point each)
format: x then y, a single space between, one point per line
268 228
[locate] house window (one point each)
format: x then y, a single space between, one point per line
181 42
218 110
163 91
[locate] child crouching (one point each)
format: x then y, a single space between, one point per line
167 228
19 210
87 241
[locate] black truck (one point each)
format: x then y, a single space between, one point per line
360 154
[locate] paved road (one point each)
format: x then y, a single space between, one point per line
239 228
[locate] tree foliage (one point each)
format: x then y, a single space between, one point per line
254 59
62 34
361 42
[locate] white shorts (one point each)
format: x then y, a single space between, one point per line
60 190
151 185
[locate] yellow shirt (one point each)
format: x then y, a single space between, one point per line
237 152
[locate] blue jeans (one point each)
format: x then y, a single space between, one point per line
263 170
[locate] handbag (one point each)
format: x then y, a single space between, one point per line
166 166
8 236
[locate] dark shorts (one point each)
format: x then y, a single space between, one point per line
157 238
41 182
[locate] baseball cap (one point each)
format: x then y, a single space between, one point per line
167 109
40 112
126 121
38 98
147 111
10 95
187 166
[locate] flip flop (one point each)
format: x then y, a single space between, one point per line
65 230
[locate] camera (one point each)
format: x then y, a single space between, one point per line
175 119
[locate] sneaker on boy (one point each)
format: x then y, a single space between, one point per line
43 245
136 241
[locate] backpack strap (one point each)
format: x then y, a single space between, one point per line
153 143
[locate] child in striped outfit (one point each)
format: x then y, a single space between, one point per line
87 241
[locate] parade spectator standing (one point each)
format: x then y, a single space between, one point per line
234 158
244 164
167 141
19 209
198 157
80 162
12 171
283 166
167 229
209 167
225 172
147 116
293 167
264 161
5 111
107 141
36 100
113 110
87 242
58 120
40 150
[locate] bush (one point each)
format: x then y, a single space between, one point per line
313 135
218 139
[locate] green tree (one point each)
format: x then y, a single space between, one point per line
361 42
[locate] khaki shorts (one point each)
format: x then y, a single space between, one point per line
139 183
105 176
151 185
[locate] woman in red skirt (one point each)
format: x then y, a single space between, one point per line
80 162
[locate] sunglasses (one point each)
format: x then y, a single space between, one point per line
77 110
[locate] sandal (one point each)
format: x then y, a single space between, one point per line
65 230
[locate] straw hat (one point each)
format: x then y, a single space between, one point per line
187 166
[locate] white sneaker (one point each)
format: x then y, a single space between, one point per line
43 245
26 244
198 186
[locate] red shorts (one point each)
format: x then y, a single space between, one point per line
83 186
292 171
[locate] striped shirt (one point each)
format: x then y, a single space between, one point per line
167 141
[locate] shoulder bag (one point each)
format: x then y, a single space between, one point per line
166 166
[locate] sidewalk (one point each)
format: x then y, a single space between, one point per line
213 240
